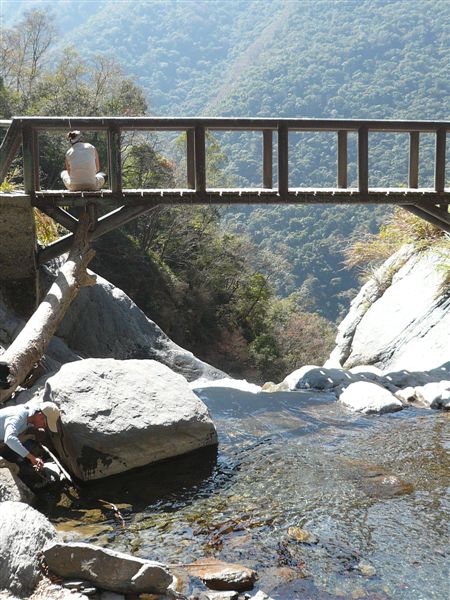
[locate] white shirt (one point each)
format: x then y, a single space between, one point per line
13 422
81 160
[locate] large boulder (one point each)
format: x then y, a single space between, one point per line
401 318
103 322
118 415
434 395
107 569
11 486
317 378
23 534
369 398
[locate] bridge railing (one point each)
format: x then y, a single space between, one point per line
26 130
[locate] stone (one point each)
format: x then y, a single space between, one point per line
23 534
367 372
225 595
316 378
46 590
434 395
219 575
369 398
386 486
106 568
302 536
270 387
104 322
11 486
406 395
392 326
366 569
261 596
119 415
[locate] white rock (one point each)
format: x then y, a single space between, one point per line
406 395
118 415
23 534
434 395
401 318
11 486
369 398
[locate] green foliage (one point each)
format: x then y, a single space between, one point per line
402 228
47 230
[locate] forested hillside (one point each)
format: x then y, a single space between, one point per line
335 59
365 59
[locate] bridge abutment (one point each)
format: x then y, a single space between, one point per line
18 267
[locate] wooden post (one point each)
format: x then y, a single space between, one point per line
283 159
114 159
267 159
190 158
439 164
200 159
28 159
363 159
413 171
342 160
35 142
9 148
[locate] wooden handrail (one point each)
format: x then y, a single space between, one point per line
228 124
196 128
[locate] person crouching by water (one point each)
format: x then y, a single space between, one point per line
15 420
82 166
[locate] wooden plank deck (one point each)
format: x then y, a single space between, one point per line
133 197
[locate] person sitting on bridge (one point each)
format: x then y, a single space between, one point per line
15 420
82 165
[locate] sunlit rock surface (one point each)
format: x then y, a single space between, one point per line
11 486
106 568
401 317
369 398
118 415
103 322
23 534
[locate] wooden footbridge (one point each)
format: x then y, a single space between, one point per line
429 203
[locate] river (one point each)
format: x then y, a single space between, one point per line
368 495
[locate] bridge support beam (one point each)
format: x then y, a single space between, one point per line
107 223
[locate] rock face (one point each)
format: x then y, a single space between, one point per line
23 534
103 322
401 317
107 569
369 390
369 398
11 487
118 415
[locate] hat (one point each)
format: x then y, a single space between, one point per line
52 414
74 136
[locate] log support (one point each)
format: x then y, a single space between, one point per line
31 343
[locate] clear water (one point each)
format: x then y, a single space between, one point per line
372 492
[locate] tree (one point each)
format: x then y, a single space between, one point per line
23 50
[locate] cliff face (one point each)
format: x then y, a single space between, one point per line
401 317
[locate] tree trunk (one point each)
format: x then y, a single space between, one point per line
31 343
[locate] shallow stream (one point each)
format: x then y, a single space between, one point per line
366 494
